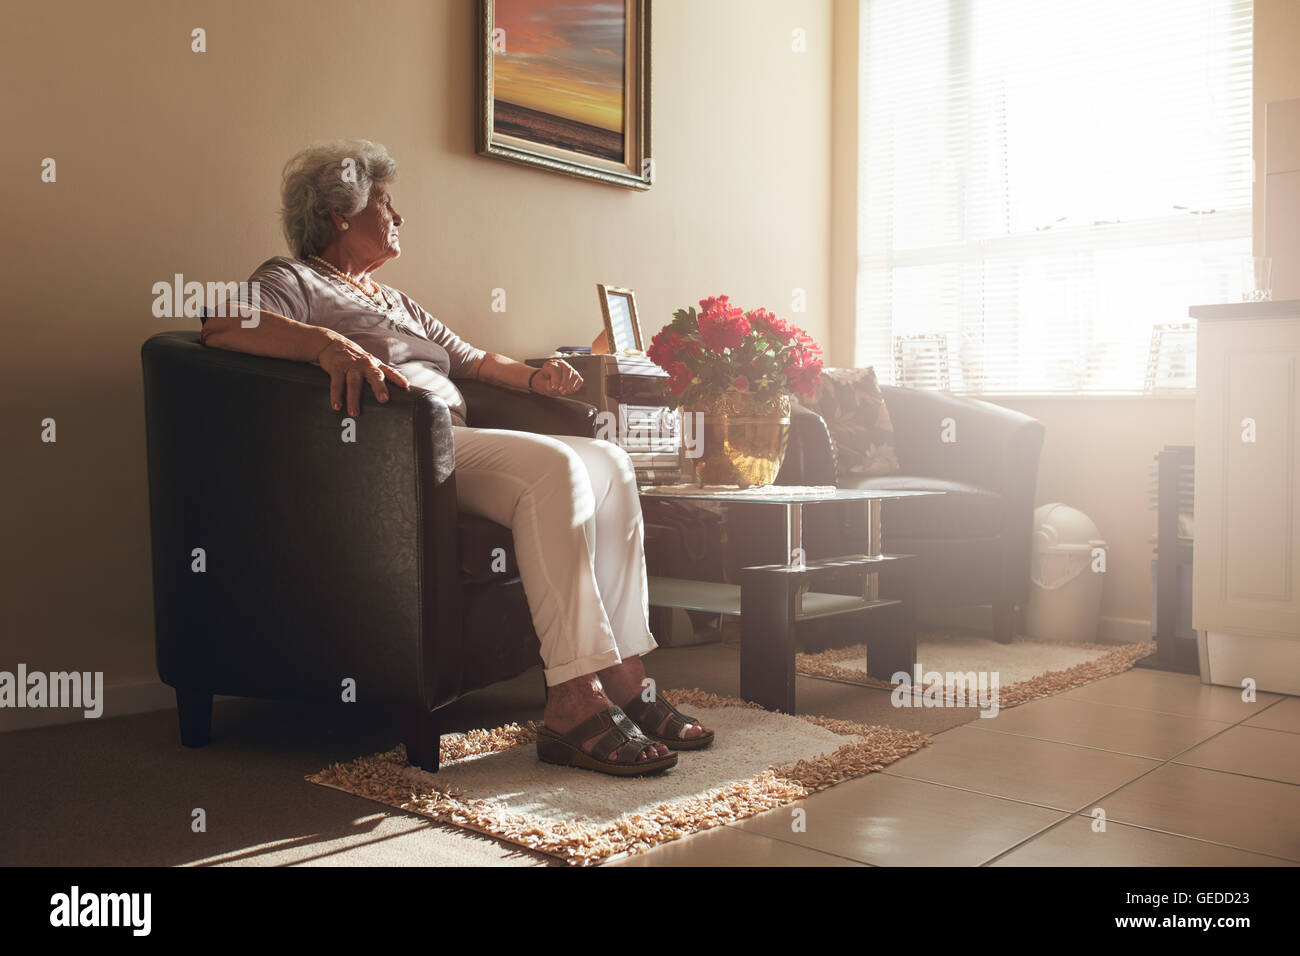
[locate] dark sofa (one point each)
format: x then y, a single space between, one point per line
973 544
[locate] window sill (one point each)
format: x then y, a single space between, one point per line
1181 395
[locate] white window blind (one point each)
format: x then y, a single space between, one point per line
1045 186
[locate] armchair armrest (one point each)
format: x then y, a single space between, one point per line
495 406
323 559
809 455
993 447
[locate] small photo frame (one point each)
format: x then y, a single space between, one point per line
622 328
921 361
1171 359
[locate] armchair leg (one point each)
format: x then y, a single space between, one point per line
1004 617
422 734
194 709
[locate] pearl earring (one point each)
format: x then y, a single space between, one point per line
343 224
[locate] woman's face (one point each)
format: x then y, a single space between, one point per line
373 231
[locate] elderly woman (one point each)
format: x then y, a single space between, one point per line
570 502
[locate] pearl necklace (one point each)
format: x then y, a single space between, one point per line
376 298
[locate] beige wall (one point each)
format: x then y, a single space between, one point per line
844 183
1098 450
169 161
1277 77
1277 196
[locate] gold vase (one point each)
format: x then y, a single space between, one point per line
744 440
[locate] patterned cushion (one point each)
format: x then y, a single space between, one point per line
850 401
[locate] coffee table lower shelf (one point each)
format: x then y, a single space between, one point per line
771 605
719 598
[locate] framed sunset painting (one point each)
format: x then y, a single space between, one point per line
565 85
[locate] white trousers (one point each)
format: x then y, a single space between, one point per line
579 539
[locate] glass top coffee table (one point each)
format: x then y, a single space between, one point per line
772 599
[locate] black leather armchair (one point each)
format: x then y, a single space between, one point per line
291 564
973 544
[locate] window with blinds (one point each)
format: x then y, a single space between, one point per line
1045 186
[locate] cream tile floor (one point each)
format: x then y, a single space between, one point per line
1179 773
1184 773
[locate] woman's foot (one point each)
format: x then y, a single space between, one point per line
622 682
570 703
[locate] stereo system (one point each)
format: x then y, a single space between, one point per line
627 389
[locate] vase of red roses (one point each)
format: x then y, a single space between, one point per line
735 372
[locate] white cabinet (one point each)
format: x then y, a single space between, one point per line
1246 565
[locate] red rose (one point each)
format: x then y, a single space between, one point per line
679 376
722 326
765 321
806 341
803 376
783 330
663 348
740 382
720 303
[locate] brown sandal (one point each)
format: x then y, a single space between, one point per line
622 736
653 714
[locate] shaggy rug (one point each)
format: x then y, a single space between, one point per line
1026 669
491 780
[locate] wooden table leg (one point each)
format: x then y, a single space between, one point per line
892 645
767 636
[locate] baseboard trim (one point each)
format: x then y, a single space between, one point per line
1273 663
1110 630
1123 630
120 700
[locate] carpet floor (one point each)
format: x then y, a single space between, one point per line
1026 669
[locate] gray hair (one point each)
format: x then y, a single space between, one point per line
334 176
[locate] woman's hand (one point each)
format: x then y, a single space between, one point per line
348 366
556 377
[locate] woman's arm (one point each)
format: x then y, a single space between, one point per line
274 335
277 336
557 377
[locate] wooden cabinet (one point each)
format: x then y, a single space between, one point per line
1246 573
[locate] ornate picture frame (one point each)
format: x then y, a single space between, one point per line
587 99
